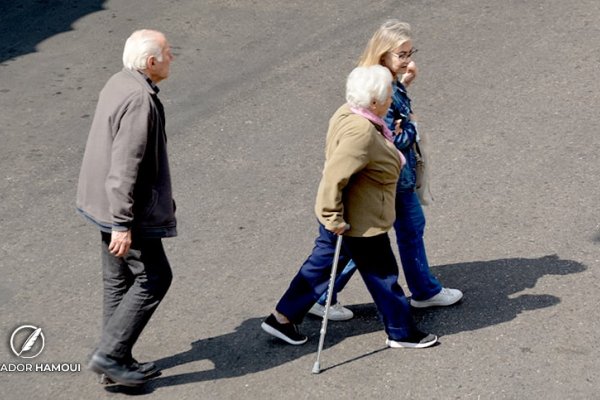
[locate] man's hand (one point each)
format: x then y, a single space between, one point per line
119 243
410 74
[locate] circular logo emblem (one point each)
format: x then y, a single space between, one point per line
27 341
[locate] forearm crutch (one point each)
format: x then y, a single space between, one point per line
338 246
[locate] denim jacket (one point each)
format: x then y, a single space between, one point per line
401 109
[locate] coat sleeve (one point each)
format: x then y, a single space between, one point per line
128 147
349 155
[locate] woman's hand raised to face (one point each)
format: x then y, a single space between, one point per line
410 74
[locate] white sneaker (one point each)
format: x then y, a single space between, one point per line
337 312
446 297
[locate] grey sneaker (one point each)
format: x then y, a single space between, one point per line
337 312
446 297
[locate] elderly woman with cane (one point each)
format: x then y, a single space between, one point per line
355 199
391 46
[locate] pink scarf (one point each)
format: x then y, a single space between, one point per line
363 112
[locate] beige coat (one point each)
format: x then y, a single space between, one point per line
359 177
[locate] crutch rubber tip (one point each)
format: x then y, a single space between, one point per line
316 368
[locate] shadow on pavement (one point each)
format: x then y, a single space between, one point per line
25 23
491 291
249 350
491 297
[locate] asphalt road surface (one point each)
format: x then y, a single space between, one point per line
508 92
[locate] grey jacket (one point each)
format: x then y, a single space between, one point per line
125 181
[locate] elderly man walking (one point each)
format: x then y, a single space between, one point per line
124 190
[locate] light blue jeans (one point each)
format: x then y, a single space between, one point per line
409 227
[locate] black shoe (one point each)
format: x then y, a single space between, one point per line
149 369
287 332
116 371
418 340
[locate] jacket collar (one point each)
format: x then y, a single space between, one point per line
143 80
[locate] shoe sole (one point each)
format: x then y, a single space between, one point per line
421 304
105 380
274 332
408 345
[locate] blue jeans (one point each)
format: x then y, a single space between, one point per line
409 227
377 266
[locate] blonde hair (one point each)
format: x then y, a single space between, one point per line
390 35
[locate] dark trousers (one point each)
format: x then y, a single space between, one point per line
134 286
377 266
410 227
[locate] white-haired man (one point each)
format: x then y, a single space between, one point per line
125 191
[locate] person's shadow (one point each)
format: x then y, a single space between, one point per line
26 23
488 286
492 292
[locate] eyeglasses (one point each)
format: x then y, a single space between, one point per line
404 55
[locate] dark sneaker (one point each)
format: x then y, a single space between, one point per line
287 332
418 340
149 369
116 371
